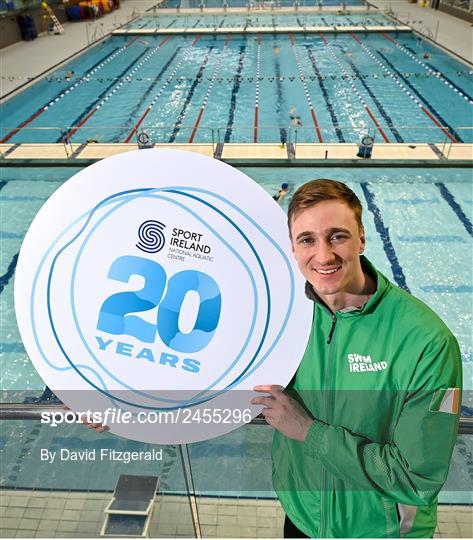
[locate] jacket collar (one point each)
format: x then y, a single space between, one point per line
382 286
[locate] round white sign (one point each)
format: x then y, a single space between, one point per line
158 288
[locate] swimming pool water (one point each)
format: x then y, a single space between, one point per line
185 4
328 88
251 20
418 225
418 229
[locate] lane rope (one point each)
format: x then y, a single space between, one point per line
431 71
306 90
85 78
115 89
155 99
258 69
209 90
355 90
399 82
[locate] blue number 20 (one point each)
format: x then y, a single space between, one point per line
114 315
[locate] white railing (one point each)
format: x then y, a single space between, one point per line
287 136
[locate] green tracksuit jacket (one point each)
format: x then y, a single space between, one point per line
383 385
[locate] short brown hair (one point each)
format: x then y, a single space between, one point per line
323 189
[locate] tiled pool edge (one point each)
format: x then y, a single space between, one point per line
395 155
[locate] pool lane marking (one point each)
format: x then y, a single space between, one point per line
85 78
197 79
280 110
306 90
378 104
460 90
156 97
107 93
92 109
433 114
437 239
355 89
329 105
449 289
4 280
161 90
447 195
235 90
209 90
399 80
131 42
383 232
257 77
430 69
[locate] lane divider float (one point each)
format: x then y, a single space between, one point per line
187 101
355 89
115 89
306 90
399 82
439 75
258 69
158 94
85 78
323 89
209 90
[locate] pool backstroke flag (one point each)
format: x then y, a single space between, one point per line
161 284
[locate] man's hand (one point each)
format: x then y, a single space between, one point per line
282 412
99 428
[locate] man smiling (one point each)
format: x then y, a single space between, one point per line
366 428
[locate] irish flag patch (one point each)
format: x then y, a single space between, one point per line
446 400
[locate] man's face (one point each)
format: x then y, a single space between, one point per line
327 242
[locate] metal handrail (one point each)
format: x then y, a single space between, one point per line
262 127
33 411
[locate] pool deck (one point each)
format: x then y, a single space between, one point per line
433 154
53 514
452 33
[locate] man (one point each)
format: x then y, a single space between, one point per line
366 428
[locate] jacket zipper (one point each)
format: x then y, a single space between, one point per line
326 404
332 329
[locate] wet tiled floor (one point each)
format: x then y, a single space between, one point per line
45 514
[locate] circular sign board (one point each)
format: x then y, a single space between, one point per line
159 286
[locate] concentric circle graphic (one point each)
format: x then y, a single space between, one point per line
163 294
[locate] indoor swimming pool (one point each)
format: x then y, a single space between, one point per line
221 85
249 88
418 225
